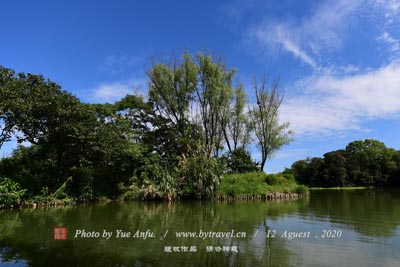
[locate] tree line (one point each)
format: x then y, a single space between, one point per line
362 163
195 124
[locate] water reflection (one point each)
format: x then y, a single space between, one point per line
373 213
26 236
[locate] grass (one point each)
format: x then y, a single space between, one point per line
254 183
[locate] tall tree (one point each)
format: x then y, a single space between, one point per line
270 134
214 93
172 88
238 129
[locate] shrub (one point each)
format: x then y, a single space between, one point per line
289 177
301 189
10 192
157 183
272 179
240 162
200 176
129 192
251 183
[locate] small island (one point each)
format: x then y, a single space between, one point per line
188 137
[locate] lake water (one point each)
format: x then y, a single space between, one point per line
331 228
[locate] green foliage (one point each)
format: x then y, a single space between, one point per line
214 93
272 179
238 130
172 88
131 192
301 189
255 183
271 135
289 177
252 183
10 192
362 163
200 176
160 185
240 161
277 179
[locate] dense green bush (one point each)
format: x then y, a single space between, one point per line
255 183
301 189
10 192
251 183
272 179
289 177
240 162
200 176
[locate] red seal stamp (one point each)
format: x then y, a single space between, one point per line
60 233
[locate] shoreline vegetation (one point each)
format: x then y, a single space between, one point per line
252 186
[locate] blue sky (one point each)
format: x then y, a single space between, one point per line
338 61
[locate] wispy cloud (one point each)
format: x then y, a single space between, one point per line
329 103
115 64
306 37
325 29
392 43
391 9
279 36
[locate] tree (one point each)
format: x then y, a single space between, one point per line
172 88
335 168
363 163
214 93
270 134
36 110
240 161
301 171
369 162
237 131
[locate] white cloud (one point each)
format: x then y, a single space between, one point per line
109 92
336 98
309 36
114 91
329 103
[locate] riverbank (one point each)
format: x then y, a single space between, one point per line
275 196
240 186
342 188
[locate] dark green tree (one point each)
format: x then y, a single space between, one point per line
363 163
240 161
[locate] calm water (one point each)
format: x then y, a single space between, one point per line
361 229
